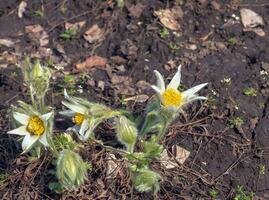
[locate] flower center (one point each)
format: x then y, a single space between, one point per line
78 118
35 126
172 97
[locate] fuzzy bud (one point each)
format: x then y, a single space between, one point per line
71 170
126 132
40 79
145 180
37 70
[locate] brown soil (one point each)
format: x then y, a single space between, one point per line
222 158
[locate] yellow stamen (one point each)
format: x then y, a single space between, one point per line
172 97
35 126
78 118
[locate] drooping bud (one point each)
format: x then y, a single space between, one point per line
71 170
145 180
126 132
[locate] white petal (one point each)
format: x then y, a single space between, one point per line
193 90
21 118
75 107
192 98
156 89
43 139
68 113
65 94
46 116
92 124
160 81
174 83
200 98
84 127
28 142
87 134
72 99
19 131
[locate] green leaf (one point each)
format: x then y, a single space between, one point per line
154 105
152 149
152 119
65 141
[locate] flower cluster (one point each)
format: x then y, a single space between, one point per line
36 126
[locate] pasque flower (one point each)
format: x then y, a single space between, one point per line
78 112
170 96
34 128
86 115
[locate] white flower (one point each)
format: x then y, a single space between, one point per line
170 96
34 128
79 114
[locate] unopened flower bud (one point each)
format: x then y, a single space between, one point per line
40 79
71 170
37 70
126 132
146 180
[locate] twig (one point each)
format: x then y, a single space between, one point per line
229 168
74 17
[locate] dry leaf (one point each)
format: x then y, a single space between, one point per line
37 34
93 61
136 10
7 58
101 85
118 60
169 17
128 47
143 85
119 79
180 154
7 42
170 65
120 68
138 98
22 9
122 84
265 66
252 21
76 26
190 46
94 34
41 52
167 161
125 89
258 31
111 166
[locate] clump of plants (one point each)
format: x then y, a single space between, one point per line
249 91
241 194
35 122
